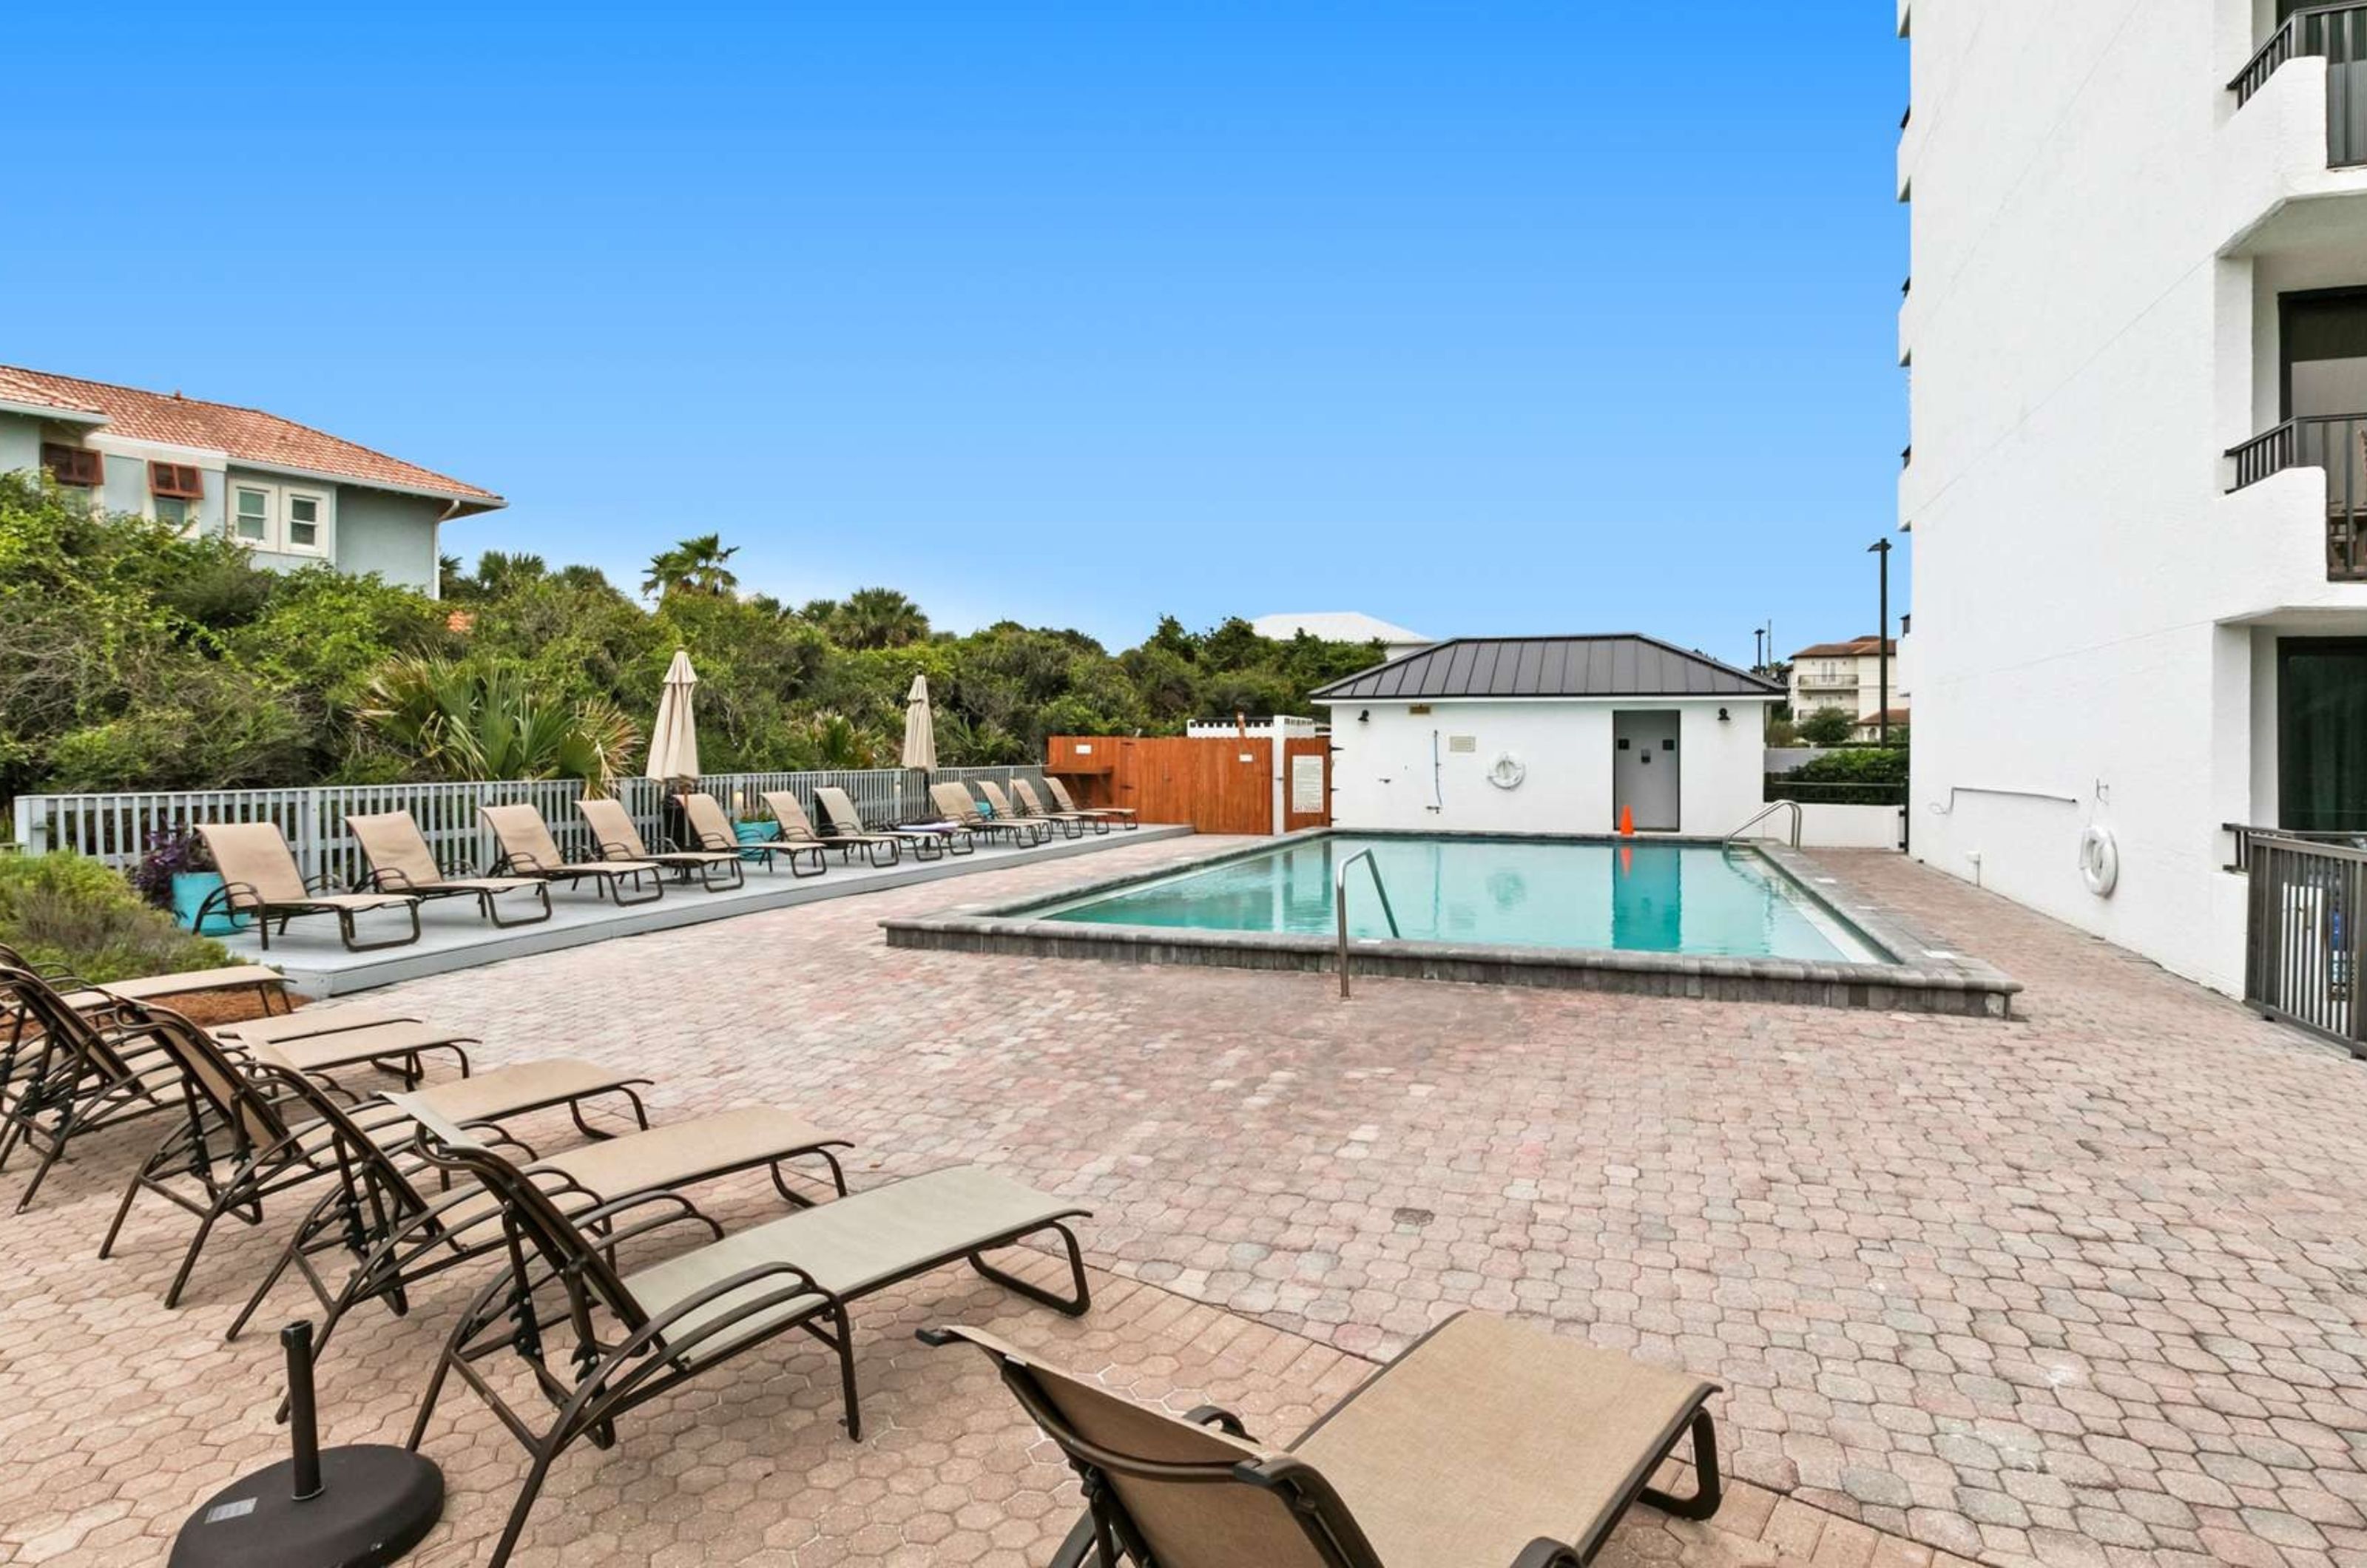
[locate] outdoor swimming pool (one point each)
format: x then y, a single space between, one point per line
1643 896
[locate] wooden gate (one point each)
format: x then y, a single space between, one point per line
1217 785
1306 784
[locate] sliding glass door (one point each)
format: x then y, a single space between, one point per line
2322 734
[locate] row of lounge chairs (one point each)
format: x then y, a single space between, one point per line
263 882
1485 1443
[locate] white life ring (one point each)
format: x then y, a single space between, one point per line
2099 860
1507 771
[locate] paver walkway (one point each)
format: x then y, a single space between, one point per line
2083 1288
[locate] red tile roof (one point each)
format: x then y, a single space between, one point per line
244 436
1864 646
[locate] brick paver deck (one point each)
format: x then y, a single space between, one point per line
2082 1288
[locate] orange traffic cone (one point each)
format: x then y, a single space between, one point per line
1626 821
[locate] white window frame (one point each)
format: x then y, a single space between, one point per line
232 513
278 528
324 515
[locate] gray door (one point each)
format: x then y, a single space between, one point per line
1644 770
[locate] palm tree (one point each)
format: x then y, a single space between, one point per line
500 573
474 721
695 566
879 617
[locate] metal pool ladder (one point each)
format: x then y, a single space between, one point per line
1339 906
1769 809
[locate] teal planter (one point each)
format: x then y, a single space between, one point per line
190 891
755 833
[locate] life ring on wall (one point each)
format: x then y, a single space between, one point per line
1507 771
2099 860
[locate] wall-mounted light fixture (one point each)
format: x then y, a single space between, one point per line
1364 716
1722 716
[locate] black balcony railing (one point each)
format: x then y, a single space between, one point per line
2303 936
2339 35
2338 443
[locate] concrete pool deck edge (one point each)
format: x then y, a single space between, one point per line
1929 978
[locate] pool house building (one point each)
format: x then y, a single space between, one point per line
1550 735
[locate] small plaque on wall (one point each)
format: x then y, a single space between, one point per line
1307 787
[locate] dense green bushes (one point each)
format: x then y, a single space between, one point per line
131 658
1854 764
66 912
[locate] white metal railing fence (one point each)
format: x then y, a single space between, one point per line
118 828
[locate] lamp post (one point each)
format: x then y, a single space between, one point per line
1759 650
1882 648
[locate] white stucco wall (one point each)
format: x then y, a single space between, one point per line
2089 331
21 443
393 536
1382 774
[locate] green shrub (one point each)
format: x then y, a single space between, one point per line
1827 727
1855 764
63 911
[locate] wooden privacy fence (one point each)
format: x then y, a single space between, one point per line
117 828
1217 785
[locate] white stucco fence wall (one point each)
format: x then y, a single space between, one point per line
1824 826
1383 776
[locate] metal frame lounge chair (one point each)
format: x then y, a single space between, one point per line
240 1144
1073 823
529 850
632 1337
89 1069
927 841
718 870
796 828
400 1235
708 820
957 804
260 877
266 983
1122 815
1004 810
400 862
1485 1443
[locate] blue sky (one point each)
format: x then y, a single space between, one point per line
1484 318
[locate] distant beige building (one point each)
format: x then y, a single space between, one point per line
1848 675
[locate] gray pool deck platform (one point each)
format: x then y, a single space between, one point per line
453 935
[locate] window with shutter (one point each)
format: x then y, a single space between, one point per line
72 465
179 480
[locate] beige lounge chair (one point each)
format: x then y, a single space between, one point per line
241 1145
402 1232
65 1073
796 828
1004 811
401 861
955 802
614 830
841 818
1122 815
529 850
629 1338
260 877
266 983
1486 1443
1073 823
713 827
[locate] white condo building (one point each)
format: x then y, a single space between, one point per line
2136 334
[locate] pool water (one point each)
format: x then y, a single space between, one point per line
1636 897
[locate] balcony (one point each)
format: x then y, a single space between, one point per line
2336 443
2338 35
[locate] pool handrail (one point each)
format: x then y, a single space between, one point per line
1766 811
1339 906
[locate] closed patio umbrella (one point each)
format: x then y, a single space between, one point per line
920 727
673 739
